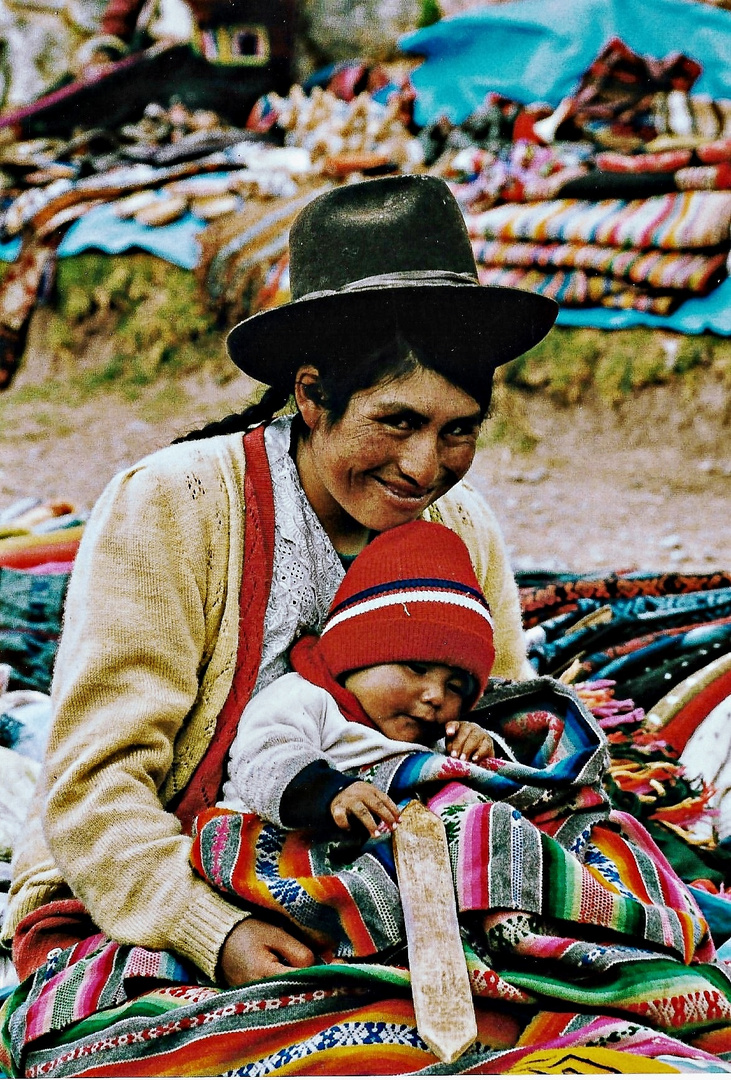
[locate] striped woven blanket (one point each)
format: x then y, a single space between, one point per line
695 219
583 947
334 1020
576 288
662 270
645 254
559 897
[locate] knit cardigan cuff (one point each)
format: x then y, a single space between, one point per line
209 921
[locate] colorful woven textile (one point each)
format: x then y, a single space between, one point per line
545 595
576 288
694 219
563 903
705 177
550 887
616 94
333 1020
688 271
670 161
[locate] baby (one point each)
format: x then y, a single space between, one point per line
406 649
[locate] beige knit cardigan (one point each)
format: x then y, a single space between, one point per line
144 667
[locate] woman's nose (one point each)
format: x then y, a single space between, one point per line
419 460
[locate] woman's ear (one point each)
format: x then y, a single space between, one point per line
308 394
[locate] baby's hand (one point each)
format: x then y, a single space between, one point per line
361 801
468 741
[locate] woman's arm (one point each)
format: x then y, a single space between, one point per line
465 511
139 628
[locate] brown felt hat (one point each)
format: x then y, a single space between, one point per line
386 254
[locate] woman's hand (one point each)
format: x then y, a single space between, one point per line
361 802
255 949
468 741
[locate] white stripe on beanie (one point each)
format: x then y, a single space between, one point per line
399 599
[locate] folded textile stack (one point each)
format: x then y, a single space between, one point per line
646 254
651 656
619 198
38 544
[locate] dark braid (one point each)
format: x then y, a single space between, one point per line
272 400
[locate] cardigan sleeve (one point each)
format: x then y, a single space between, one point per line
465 511
137 637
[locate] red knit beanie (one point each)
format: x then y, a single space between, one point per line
411 594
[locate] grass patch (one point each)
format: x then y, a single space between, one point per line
133 320
613 364
125 325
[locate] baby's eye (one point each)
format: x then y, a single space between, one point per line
416 667
459 685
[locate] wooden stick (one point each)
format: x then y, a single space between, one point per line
445 1012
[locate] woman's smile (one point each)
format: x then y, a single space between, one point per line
404 493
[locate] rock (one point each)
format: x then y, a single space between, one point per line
532 476
667 543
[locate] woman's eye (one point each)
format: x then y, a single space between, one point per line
462 431
401 423
418 669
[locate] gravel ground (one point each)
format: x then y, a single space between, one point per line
647 485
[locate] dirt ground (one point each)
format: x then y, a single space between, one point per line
647 485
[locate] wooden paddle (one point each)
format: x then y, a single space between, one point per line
445 1013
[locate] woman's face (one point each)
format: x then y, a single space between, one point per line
399 446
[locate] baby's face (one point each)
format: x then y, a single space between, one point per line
410 702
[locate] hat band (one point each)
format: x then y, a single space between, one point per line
398 279
400 599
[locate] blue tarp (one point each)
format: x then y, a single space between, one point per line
102 229
537 50
712 313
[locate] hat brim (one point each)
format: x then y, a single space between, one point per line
464 325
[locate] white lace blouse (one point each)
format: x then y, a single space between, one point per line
307 570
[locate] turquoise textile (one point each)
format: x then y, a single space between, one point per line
537 50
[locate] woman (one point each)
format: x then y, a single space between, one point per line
198 569
382 270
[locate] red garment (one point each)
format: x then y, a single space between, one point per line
202 790
307 659
57 925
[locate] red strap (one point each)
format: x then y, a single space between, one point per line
202 790
684 722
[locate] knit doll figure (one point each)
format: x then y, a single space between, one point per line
406 649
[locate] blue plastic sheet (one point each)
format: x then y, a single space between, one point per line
537 50
101 229
704 313
10 250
